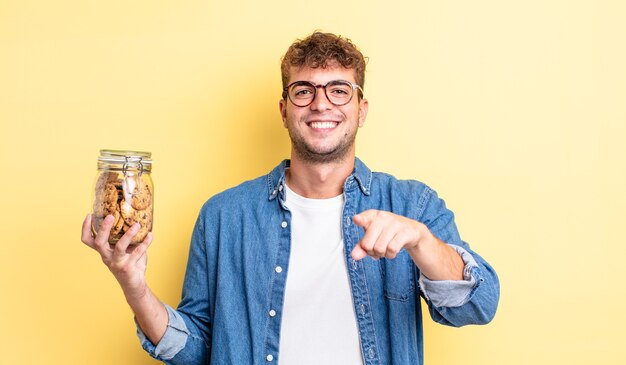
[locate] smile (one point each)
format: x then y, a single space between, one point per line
323 125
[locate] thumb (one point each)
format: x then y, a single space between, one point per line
358 252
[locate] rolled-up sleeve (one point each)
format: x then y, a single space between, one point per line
172 341
452 293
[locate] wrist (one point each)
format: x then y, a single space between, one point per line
136 295
425 239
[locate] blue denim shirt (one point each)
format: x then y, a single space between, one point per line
239 261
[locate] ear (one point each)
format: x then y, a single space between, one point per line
282 105
363 107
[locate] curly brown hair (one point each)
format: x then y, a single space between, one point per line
319 50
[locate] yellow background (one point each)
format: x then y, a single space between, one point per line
513 111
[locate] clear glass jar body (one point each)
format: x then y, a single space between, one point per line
124 189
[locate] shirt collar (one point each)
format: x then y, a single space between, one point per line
276 178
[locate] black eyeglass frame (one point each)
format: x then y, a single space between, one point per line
316 86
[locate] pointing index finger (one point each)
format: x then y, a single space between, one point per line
364 219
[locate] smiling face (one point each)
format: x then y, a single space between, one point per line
322 132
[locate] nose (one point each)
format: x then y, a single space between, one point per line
321 102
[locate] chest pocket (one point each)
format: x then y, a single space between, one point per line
398 277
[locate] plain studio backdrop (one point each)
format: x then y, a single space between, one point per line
513 111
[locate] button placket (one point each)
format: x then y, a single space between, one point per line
277 289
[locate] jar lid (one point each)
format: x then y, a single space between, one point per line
126 158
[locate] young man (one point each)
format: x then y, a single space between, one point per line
319 262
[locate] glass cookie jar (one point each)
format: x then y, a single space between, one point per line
124 189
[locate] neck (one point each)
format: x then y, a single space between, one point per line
318 180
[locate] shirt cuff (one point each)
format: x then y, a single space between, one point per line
452 293
172 341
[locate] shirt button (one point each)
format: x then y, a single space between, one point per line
272 313
284 224
354 264
371 353
347 221
278 269
269 358
280 187
363 308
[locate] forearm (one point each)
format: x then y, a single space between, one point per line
150 314
471 301
435 259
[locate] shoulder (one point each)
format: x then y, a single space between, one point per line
244 195
383 182
408 197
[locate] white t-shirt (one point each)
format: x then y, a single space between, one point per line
318 322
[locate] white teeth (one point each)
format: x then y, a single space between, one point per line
323 125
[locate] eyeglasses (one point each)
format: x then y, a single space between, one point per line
338 92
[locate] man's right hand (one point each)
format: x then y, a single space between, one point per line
128 265
126 262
